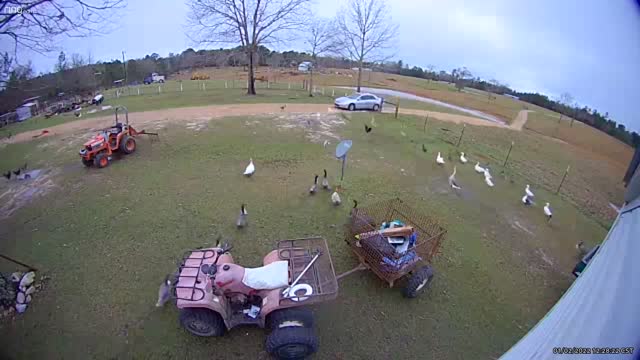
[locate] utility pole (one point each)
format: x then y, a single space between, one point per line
124 67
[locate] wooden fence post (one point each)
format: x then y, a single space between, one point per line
333 92
424 128
138 91
181 87
563 177
508 153
397 107
464 126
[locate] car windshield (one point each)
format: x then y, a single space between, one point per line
354 96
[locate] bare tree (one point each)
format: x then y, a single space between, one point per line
565 99
77 61
430 71
460 77
365 32
319 40
249 22
36 24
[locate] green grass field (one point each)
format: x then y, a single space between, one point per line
107 237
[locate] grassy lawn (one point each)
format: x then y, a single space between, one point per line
107 237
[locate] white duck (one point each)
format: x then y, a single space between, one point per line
250 168
488 181
463 159
528 191
479 169
547 211
452 180
525 200
439 159
335 198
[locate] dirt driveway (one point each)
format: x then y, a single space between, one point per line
204 113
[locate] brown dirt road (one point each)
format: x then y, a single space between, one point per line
204 113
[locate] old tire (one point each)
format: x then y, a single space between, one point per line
202 322
86 162
352 107
291 317
376 107
292 343
418 282
101 161
127 144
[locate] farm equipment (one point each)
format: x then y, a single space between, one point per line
213 294
393 240
154 78
118 138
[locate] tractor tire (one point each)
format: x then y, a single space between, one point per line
418 282
101 161
291 317
202 322
376 107
127 144
292 343
352 107
87 163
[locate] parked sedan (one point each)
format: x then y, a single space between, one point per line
359 102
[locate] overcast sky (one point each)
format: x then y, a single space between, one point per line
589 48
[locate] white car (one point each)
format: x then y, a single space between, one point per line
359 102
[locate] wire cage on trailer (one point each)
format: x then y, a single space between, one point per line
374 250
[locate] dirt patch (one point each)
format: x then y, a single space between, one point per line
318 127
202 114
520 120
17 193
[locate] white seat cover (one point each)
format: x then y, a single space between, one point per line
272 276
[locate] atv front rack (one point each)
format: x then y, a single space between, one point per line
186 277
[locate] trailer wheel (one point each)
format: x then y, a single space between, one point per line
292 343
202 322
101 161
418 282
127 144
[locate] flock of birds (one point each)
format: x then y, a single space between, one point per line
242 220
527 199
16 173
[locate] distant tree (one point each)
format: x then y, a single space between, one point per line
566 100
319 39
249 22
460 76
77 61
429 69
35 25
365 32
61 65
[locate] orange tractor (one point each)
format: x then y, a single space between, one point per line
118 138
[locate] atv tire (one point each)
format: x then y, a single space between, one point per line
202 322
292 343
291 317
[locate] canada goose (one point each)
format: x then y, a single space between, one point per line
424 148
242 217
367 129
314 187
325 181
283 107
7 174
164 293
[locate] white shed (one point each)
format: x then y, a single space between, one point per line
305 66
25 111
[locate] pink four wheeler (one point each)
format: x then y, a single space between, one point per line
215 295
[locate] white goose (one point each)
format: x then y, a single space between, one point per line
525 200
547 211
479 169
250 168
488 181
528 191
452 180
439 159
487 174
463 159
335 198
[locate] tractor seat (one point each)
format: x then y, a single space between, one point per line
268 277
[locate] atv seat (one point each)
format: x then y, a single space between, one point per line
268 277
